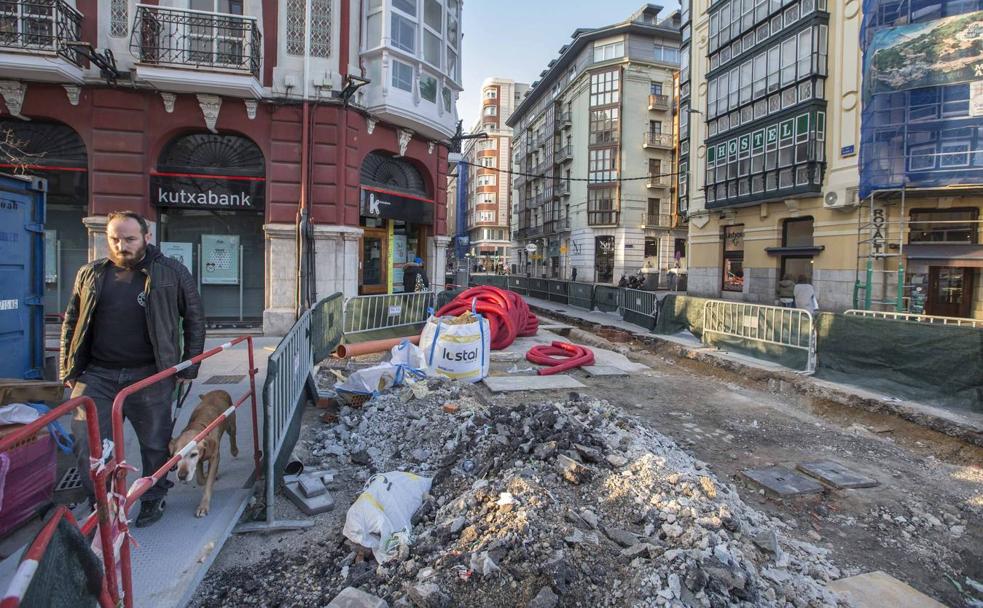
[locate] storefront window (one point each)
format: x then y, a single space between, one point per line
944 226
733 262
604 259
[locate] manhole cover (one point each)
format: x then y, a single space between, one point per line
836 475
69 481
229 379
783 482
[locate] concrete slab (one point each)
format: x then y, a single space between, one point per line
783 481
878 589
504 384
604 370
836 475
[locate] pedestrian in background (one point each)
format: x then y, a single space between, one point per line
123 324
414 277
573 274
805 295
786 291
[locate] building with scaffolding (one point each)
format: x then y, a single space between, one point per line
831 165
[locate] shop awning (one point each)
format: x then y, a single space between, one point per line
377 202
808 250
937 254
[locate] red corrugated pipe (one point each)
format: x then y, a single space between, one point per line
507 313
559 357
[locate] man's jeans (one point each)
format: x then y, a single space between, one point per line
149 411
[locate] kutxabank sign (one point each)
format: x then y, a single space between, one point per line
207 192
933 53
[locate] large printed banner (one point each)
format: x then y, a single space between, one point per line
934 53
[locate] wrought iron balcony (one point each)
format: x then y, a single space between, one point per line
563 120
564 153
658 181
562 188
41 26
658 102
603 218
658 140
658 220
196 39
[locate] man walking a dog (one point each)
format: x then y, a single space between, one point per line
123 324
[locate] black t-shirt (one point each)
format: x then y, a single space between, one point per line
120 336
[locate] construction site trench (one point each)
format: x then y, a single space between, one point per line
628 491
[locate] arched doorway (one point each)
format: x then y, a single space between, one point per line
55 152
210 192
396 210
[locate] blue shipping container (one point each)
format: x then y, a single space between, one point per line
22 203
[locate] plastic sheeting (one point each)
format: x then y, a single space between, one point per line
69 573
934 364
921 84
678 313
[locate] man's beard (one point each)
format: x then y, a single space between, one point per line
128 260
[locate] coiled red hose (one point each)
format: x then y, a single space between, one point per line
507 313
559 357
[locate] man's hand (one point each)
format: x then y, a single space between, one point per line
70 384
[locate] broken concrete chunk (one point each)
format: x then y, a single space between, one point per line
544 599
350 597
427 595
571 470
311 486
616 460
589 518
638 549
483 564
588 454
767 540
622 537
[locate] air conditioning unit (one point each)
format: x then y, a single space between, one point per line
840 199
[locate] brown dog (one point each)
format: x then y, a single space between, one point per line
211 406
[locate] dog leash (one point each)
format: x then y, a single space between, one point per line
181 398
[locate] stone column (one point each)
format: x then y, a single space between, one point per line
336 259
96 225
281 279
437 260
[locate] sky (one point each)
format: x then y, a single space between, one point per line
516 38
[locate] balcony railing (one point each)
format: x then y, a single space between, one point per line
563 120
564 153
562 188
658 181
41 25
556 226
167 36
603 218
658 102
658 140
658 220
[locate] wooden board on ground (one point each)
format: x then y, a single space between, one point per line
879 589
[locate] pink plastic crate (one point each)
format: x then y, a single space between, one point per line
30 481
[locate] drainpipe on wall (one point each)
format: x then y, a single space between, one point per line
303 215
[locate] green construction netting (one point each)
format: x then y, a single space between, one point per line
69 574
936 364
677 313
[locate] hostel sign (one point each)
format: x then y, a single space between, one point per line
207 192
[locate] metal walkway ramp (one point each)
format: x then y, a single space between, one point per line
171 557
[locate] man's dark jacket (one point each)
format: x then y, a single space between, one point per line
171 297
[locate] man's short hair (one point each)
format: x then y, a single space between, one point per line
132 215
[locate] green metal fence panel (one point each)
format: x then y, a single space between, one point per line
607 298
539 288
557 291
327 325
580 295
639 307
519 285
373 313
500 281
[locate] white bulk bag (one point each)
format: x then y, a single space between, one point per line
383 510
457 351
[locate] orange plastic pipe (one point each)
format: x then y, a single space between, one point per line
372 346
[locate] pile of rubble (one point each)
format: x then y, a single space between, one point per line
568 503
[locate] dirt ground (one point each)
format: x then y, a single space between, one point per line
922 524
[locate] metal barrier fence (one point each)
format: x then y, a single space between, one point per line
123 497
607 298
326 326
557 291
785 327
930 319
100 470
539 288
519 285
639 307
580 295
387 311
